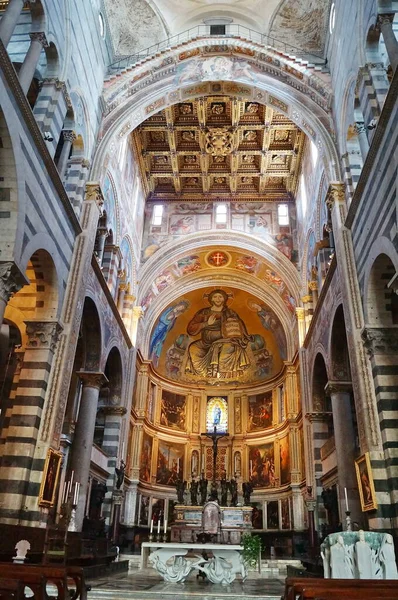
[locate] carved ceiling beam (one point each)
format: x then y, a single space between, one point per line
201 112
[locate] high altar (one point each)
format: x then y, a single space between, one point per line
234 522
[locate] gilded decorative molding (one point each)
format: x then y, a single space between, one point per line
238 415
335 193
313 285
43 334
93 192
114 410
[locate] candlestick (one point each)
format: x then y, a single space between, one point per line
346 500
151 526
165 526
159 527
63 497
251 467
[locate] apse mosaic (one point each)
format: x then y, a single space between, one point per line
262 465
218 336
172 410
259 411
170 465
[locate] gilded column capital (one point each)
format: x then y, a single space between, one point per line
138 312
69 135
94 379
300 313
93 192
114 410
313 285
11 280
335 193
43 334
306 299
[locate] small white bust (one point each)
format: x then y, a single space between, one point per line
21 547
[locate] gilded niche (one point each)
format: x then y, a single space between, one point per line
218 336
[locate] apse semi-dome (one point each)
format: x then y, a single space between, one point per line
218 335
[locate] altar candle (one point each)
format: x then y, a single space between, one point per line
346 500
151 525
178 465
63 497
251 467
165 526
158 526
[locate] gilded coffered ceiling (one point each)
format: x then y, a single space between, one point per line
219 147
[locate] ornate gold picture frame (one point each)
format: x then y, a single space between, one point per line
365 482
49 481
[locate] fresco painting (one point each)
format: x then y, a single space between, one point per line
217 414
173 410
285 514
285 460
272 515
262 465
259 411
146 458
170 465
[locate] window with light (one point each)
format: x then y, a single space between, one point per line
157 214
221 214
283 214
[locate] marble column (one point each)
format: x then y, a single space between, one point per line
385 22
27 70
69 136
298 508
10 20
84 436
102 235
137 314
301 324
313 286
11 281
124 288
344 436
130 506
362 138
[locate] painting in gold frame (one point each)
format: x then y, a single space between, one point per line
365 482
49 481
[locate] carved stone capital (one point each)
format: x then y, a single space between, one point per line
306 299
384 19
43 334
11 280
138 312
335 193
94 379
93 192
380 340
300 313
69 135
124 287
360 127
337 387
39 36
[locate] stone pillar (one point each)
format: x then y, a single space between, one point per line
313 285
130 506
362 138
308 310
84 436
11 281
117 499
138 313
361 375
142 389
135 451
102 235
10 20
50 109
344 436
384 23
75 181
298 508
292 407
69 137
27 70
301 324
310 504
124 288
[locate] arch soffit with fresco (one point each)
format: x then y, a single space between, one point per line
243 242
250 72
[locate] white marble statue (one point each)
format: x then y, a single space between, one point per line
179 569
235 559
218 570
338 560
364 561
387 557
326 562
21 547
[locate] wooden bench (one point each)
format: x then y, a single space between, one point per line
11 589
340 589
37 577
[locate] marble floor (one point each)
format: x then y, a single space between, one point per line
144 585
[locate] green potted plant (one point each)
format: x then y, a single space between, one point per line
251 553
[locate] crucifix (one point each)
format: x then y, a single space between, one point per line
215 436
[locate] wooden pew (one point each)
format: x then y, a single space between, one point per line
40 575
11 589
340 589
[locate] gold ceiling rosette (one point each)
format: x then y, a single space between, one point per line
219 141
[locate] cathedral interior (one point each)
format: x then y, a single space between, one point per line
199 209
